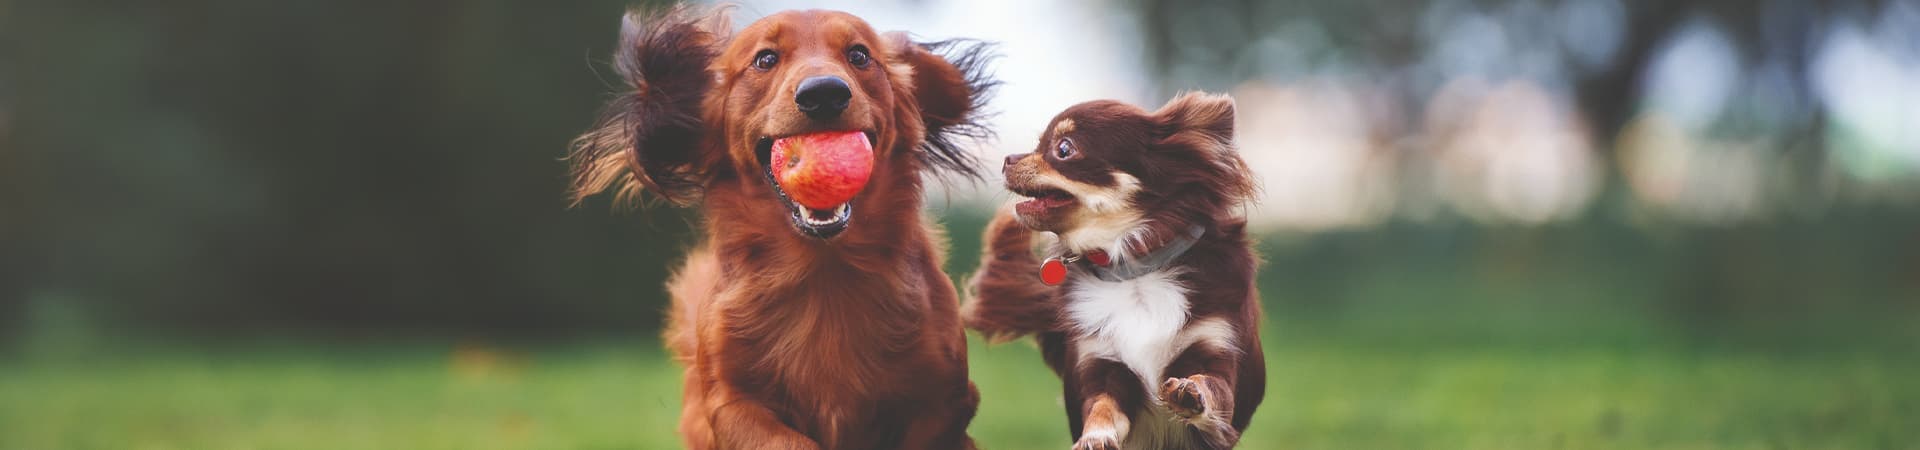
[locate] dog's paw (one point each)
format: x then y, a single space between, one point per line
1098 440
1183 397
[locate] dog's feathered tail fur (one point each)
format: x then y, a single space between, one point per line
1006 299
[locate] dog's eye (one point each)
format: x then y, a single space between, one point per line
1065 149
859 57
765 60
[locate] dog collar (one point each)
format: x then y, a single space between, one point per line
1103 266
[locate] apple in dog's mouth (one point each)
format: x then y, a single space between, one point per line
817 176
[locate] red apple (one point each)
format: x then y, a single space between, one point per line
823 170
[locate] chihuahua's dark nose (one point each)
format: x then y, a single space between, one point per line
1012 160
822 97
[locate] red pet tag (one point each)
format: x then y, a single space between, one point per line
1053 272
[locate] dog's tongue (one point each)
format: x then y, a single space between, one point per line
823 170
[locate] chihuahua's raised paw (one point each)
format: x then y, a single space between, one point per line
1097 441
1183 397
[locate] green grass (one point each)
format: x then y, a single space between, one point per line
1332 385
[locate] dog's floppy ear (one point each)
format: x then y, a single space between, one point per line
649 137
951 86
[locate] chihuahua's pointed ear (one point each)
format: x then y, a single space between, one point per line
1199 119
1202 125
949 86
649 138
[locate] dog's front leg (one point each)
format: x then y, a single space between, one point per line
1110 391
1200 391
745 424
944 423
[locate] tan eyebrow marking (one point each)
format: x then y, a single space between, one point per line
1063 127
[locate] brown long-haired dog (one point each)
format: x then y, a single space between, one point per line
1154 329
799 328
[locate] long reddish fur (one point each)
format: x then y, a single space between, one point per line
790 342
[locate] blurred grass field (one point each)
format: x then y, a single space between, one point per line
1325 392
1572 340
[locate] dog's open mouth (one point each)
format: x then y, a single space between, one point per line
815 222
1041 200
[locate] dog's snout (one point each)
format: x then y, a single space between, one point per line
1012 160
822 97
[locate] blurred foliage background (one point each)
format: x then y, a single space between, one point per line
325 167
1487 223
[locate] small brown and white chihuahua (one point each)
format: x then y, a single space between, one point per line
1145 306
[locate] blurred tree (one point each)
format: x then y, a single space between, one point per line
13 207
357 165
1217 44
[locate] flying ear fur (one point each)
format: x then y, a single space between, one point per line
649 137
951 86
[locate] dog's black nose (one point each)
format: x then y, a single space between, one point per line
822 97
1012 160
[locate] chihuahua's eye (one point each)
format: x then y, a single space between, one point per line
1065 149
859 57
765 60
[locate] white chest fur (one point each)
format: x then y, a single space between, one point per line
1136 322
1143 324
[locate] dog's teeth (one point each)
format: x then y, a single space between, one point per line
807 214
